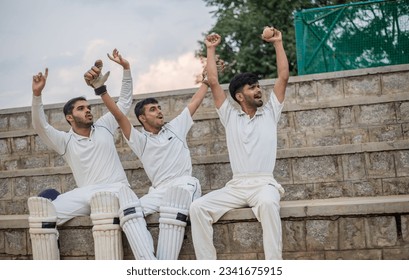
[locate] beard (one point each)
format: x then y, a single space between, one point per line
83 122
257 102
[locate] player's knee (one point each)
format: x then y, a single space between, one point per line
195 208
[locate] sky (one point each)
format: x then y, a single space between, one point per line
158 38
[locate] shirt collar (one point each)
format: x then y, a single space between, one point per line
80 137
148 133
259 112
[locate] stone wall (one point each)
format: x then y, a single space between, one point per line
343 141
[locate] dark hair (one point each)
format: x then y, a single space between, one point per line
140 106
239 81
69 106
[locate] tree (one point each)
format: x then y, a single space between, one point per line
241 22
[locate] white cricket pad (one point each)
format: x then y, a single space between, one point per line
106 229
134 225
43 229
172 222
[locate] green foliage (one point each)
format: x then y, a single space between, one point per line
241 22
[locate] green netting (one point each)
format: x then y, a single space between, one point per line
352 36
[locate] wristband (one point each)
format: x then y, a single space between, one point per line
101 90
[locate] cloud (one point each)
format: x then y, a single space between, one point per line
158 38
170 74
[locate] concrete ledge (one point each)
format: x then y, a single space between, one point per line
289 209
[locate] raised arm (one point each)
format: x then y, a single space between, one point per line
197 98
125 98
92 78
212 41
281 60
122 120
52 137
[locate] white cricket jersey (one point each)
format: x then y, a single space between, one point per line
251 143
165 155
93 160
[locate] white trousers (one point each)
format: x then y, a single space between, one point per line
260 192
76 202
153 199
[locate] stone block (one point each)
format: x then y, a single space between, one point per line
381 231
404 221
19 121
320 118
39 161
298 192
2 241
14 207
139 181
307 92
321 235
362 86
239 256
354 255
219 175
351 233
20 145
403 111
353 166
201 130
317 138
402 162
294 236
4 122
330 89
199 149
395 82
405 129
76 242
297 139
396 253
356 135
370 187
246 237
125 154
283 171
376 114
332 190
21 187
380 165
39 146
284 123
57 160
67 183
10 164
57 118
385 133
317 169
221 238
40 183
346 116
199 171
187 245
218 146
15 242
282 141
396 186
4 147
304 255
179 103
5 189
290 94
